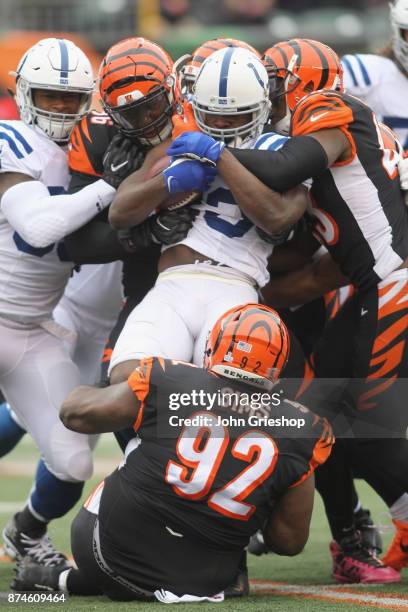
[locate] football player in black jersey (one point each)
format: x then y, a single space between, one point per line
207 472
139 94
359 215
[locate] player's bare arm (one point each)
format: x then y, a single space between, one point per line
95 410
137 197
305 284
287 529
271 211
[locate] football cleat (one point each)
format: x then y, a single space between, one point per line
354 563
18 545
30 576
397 554
240 586
370 535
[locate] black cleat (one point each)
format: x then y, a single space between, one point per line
31 576
18 545
370 535
240 586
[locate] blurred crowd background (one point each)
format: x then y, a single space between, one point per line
181 25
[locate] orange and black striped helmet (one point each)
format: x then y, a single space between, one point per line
192 67
138 89
299 66
249 343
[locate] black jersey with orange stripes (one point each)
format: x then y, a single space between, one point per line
357 204
211 471
88 144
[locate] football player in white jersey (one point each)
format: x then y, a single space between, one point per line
381 80
54 86
223 259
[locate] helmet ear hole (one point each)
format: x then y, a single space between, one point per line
309 87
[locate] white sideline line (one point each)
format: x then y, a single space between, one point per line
330 592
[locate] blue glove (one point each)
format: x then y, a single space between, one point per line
198 146
187 175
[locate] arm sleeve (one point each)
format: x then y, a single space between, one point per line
42 219
300 158
95 243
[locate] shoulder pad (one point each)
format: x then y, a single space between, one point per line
17 154
320 110
270 141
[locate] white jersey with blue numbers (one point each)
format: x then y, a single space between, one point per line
32 280
381 85
222 232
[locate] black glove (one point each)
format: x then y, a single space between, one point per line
171 226
136 238
122 157
168 227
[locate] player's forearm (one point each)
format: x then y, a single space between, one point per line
135 200
98 410
271 211
287 529
299 159
42 219
94 243
305 284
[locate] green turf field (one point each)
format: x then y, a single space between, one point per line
305 582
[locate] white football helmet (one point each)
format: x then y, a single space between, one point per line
399 22
232 81
58 65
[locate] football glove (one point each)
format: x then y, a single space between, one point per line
171 226
198 146
403 173
186 175
168 227
122 157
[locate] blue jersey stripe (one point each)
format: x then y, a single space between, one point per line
347 64
64 59
276 141
363 69
18 136
12 145
224 72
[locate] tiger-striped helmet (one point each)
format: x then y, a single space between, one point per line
249 343
296 68
192 67
138 89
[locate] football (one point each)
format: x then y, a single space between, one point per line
172 200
